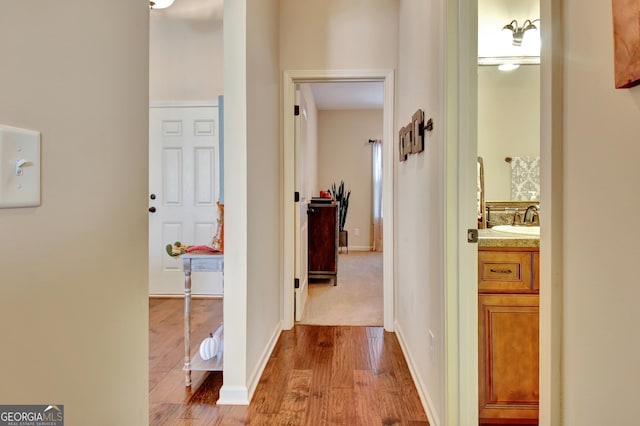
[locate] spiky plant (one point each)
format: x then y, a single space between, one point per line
342 198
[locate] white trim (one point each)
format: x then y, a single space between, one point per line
254 379
423 393
355 248
516 60
233 395
462 326
461 319
551 199
184 104
290 78
181 296
240 395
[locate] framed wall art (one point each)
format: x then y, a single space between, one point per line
626 43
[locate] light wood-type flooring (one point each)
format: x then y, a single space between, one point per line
317 375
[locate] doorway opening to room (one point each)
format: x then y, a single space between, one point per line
335 163
339 178
508 146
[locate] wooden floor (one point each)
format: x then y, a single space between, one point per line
317 375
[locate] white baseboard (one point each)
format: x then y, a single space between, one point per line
181 296
241 395
423 393
233 395
264 358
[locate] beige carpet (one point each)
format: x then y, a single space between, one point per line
356 300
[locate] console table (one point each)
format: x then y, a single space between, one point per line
197 262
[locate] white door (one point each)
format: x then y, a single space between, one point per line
183 190
301 252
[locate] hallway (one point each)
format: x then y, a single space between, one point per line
316 375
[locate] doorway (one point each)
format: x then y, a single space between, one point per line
508 87
462 329
291 79
340 143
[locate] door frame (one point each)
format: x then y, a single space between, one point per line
301 214
461 257
290 79
461 294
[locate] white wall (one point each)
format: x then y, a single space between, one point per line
73 299
253 199
420 201
508 123
601 343
344 153
264 159
185 51
338 34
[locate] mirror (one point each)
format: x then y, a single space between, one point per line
482 216
509 132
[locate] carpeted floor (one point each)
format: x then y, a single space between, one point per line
356 300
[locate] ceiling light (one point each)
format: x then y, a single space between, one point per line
160 4
517 32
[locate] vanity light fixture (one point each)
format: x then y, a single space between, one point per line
160 4
517 31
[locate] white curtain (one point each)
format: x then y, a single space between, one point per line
376 169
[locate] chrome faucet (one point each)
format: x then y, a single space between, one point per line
531 215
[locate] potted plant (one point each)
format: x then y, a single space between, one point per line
342 198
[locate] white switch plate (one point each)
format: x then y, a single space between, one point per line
19 167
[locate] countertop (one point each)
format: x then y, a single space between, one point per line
491 238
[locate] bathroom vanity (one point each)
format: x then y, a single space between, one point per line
508 324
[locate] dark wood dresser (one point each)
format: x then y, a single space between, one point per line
323 240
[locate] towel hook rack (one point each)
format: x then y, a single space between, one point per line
508 159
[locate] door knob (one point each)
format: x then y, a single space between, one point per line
310 210
152 209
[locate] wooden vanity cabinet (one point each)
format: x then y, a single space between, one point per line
508 324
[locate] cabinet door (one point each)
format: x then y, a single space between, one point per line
508 357
323 239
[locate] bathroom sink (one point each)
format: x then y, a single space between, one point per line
522 230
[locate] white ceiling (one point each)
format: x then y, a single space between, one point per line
348 95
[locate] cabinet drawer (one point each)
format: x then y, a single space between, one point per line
505 271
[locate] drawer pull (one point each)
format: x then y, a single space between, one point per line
501 271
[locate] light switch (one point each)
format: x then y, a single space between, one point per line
19 167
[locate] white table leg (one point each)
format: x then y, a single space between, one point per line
187 327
